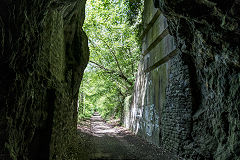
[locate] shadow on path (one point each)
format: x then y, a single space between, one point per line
100 140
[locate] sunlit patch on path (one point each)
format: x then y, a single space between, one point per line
106 141
100 128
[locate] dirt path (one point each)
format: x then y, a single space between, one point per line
100 140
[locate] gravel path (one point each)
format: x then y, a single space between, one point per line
101 140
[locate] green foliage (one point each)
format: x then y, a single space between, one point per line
114 56
134 10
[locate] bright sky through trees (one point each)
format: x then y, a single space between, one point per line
114 56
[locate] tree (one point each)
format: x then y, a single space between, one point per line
114 56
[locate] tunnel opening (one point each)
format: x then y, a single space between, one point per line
108 121
112 28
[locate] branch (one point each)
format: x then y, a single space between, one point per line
102 67
112 71
114 55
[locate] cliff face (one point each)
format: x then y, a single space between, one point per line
208 35
43 55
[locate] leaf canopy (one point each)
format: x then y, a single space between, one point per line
114 56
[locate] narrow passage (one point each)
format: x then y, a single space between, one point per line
101 140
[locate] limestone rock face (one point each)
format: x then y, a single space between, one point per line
209 32
43 55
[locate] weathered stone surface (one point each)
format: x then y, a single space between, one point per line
208 31
176 119
149 97
200 116
43 54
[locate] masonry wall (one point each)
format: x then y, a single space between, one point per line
159 99
176 119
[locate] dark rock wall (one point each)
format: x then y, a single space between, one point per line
176 119
199 117
43 54
208 32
